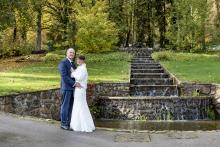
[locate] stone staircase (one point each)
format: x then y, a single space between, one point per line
153 95
148 78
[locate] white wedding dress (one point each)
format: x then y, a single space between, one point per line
81 119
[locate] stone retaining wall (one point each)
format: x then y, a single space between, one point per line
194 89
155 108
46 103
217 98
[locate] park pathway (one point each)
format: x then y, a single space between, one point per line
17 132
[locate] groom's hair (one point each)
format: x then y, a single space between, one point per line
70 49
81 57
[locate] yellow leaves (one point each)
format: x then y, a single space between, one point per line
95 32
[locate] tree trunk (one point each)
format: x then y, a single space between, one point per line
24 33
217 4
129 32
39 29
128 38
140 14
15 34
162 21
149 26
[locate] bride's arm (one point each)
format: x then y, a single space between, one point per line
79 74
73 72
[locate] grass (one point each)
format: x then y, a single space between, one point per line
109 67
191 67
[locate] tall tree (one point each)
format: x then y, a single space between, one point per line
144 18
217 5
187 25
160 7
96 33
117 15
38 8
6 17
62 29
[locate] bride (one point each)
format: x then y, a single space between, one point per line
81 119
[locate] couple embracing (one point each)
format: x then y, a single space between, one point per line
74 112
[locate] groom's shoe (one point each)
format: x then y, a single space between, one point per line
70 129
65 127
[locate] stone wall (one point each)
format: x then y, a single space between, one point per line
195 89
46 103
216 101
40 104
155 108
189 89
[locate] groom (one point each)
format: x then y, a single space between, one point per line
68 85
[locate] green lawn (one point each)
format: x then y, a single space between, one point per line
110 67
189 67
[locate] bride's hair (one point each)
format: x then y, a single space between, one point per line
81 57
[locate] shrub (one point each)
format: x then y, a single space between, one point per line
16 49
52 57
162 56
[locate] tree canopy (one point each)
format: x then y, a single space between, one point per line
100 25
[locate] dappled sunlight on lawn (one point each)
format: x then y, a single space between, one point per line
14 82
45 75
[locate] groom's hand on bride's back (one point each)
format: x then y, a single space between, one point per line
78 85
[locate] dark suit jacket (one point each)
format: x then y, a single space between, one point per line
67 82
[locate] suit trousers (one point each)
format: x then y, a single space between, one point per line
66 107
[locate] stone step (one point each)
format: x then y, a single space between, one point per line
142 51
153 90
144 64
149 75
151 81
142 54
161 70
143 61
146 67
156 63
142 57
154 108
